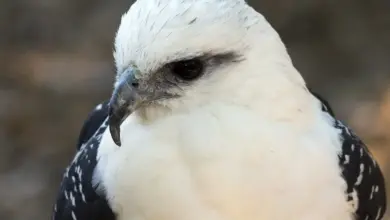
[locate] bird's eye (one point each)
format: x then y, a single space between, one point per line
187 69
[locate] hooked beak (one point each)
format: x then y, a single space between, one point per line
125 99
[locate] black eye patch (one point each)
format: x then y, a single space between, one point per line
192 68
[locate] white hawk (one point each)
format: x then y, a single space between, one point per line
209 120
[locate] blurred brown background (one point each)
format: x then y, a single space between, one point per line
56 64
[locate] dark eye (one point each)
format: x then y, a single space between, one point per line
187 69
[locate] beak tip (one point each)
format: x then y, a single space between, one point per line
115 134
118 143
114 123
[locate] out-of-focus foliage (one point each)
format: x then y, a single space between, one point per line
56 64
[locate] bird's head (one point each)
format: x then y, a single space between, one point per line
178 54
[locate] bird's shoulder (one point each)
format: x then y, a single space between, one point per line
94 119
363 176
79 197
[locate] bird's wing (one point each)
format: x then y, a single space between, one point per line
365 181
78 198
93 122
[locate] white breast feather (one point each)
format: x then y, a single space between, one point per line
222 162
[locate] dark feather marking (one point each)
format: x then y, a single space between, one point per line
192 21
356 160
78 199
93 122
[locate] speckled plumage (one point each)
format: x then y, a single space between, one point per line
78 198
366 188
365 182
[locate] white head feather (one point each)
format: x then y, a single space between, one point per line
155 32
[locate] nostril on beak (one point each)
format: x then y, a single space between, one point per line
135 84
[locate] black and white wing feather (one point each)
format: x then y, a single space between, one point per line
78 198
365 181
94 120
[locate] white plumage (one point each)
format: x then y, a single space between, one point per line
246 142
209 120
